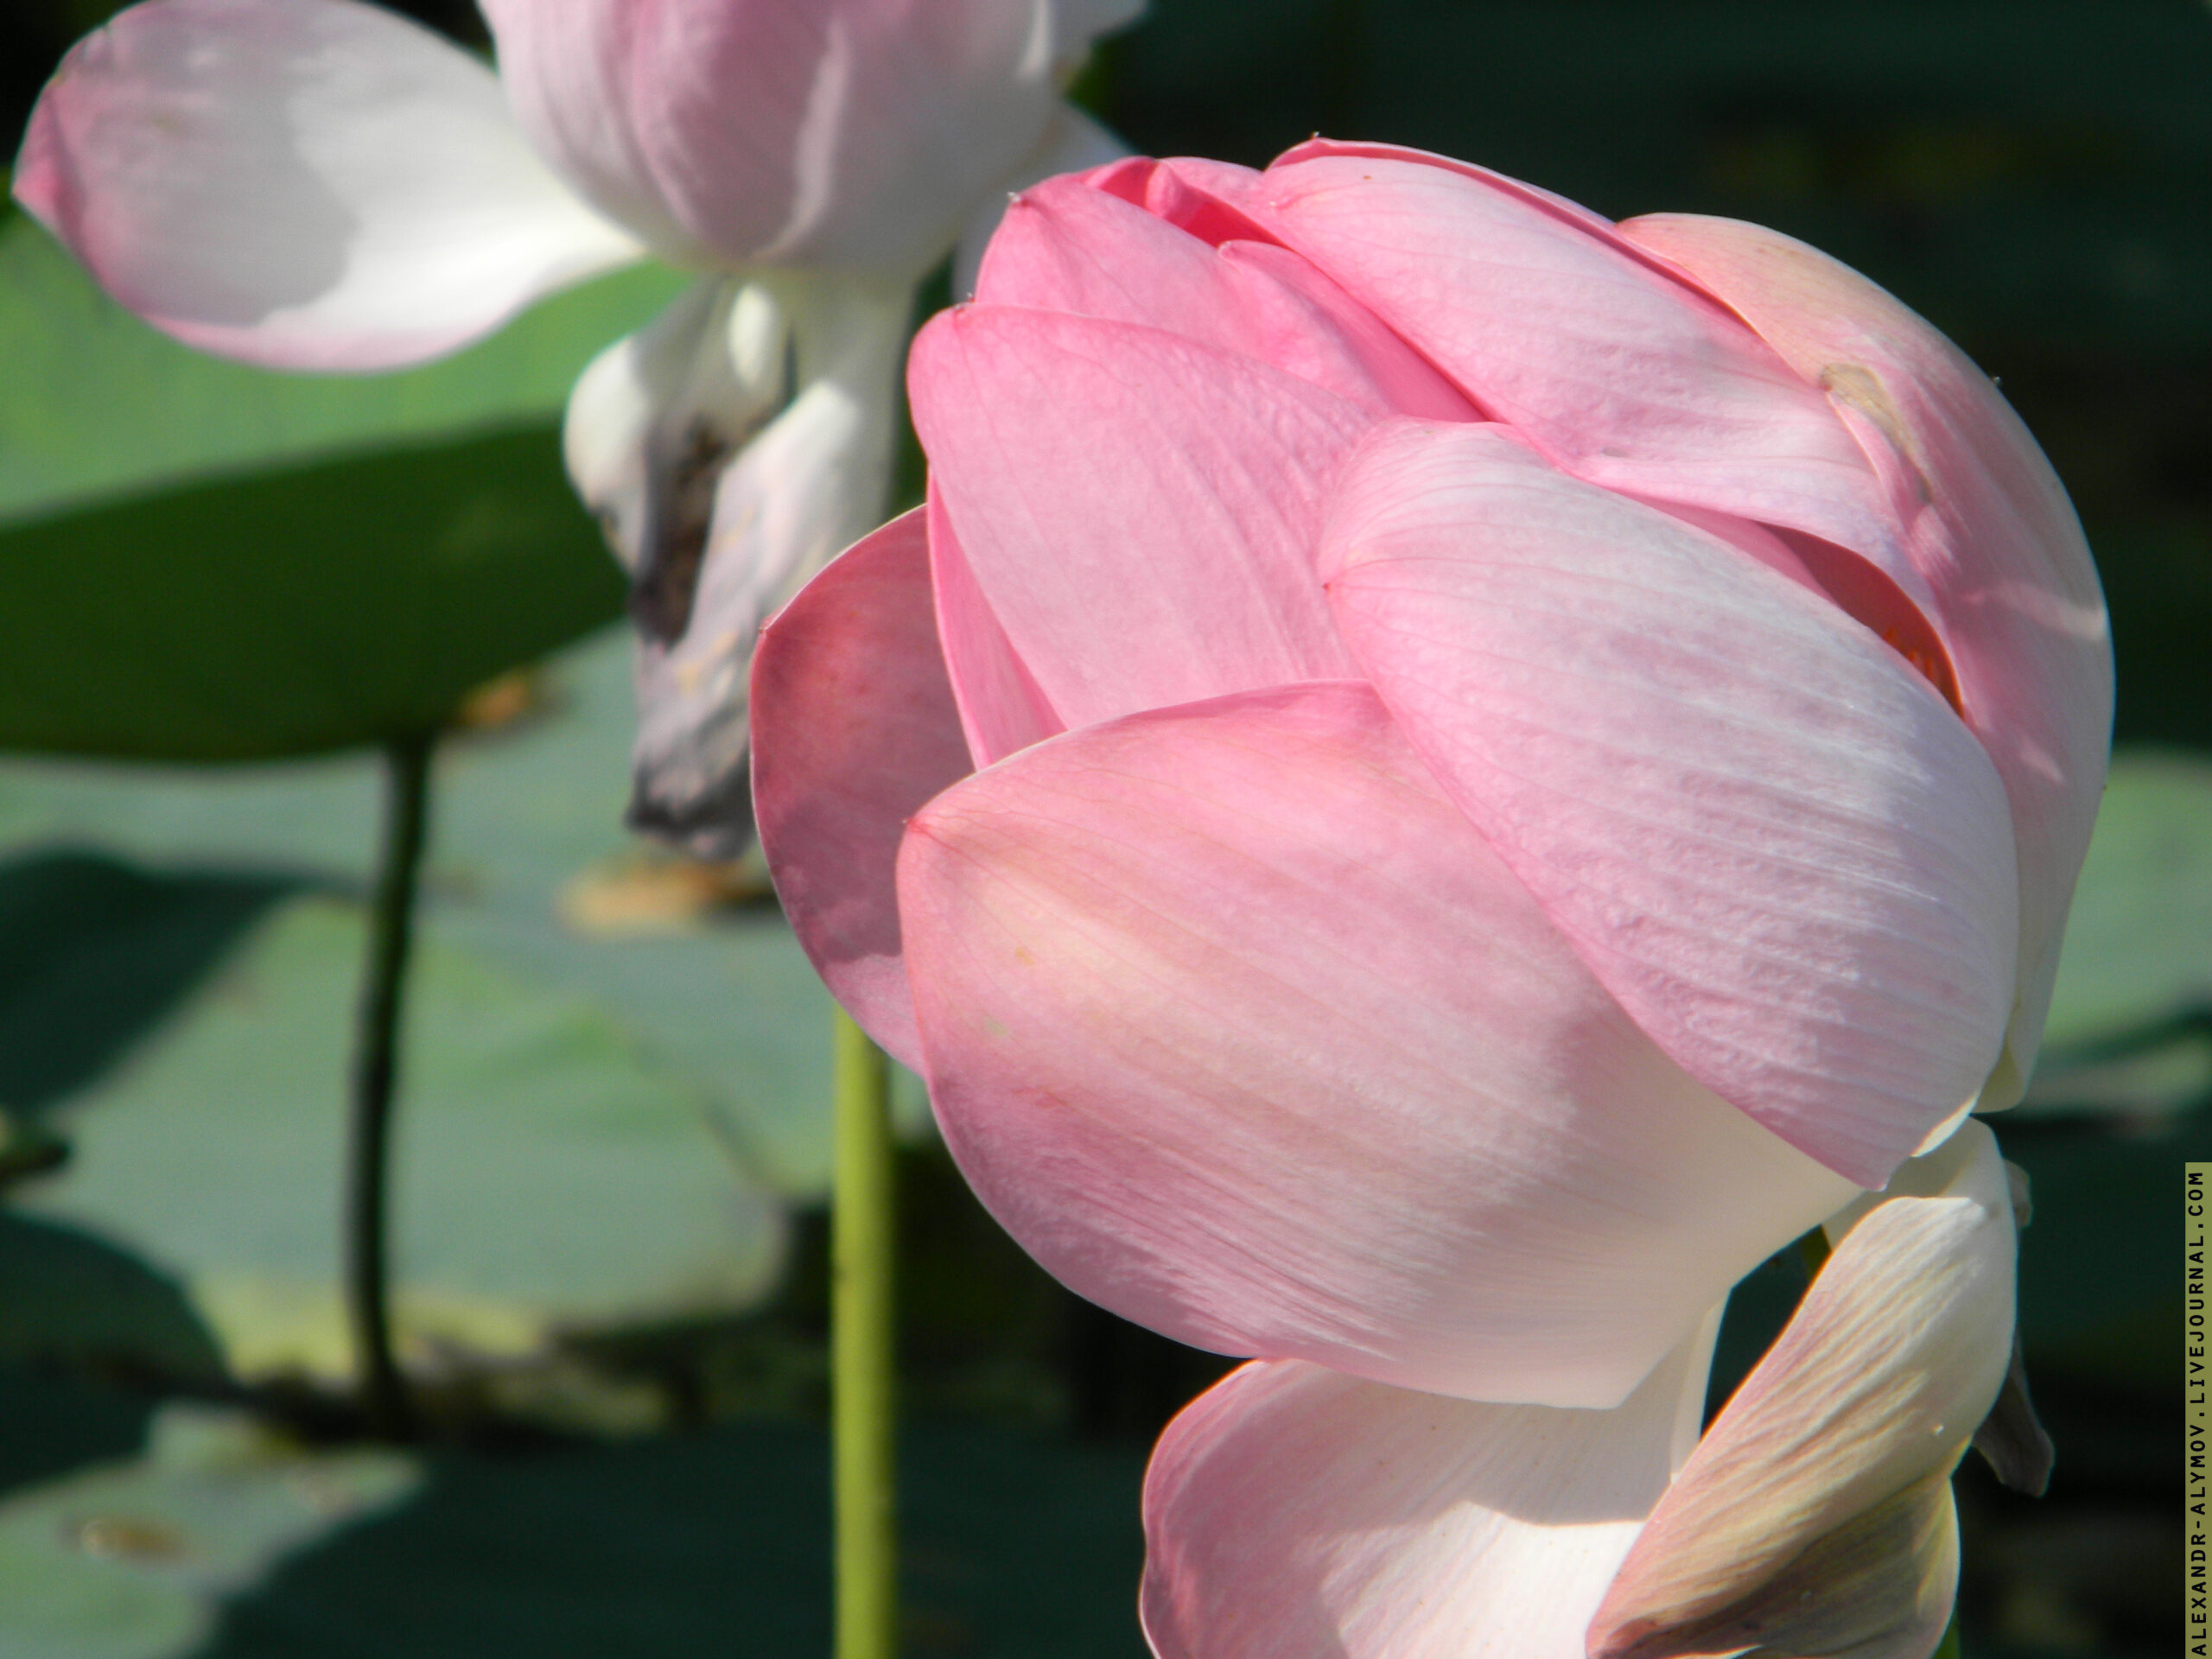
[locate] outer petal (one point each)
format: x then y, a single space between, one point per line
1242 1030
1617 370
308 184
1068 246
1815 1516
854 731
1139 510
1294 1513
1767 835
812 480
2013 592
854 134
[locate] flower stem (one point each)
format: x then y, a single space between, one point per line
391 926
860 1332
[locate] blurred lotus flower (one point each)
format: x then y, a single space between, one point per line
1520 759
320 184
1295 1513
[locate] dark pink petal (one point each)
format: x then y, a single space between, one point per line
842 133
1138 509
308 184
1066 247
1295 1513
1617 371
853 731
1769 838
2014 595
1243 1031
1815 1514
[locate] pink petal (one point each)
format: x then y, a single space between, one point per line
2012 591
842 133
1767 835
1001 707
1294 1513
1615 369
854 731
1073 142
1138 509
1242 1030
1846 1432
1066 247
309 184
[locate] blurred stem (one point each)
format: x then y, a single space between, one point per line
860 1330
391 927
1948 1647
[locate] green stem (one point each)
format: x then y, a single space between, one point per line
391 926
860 1225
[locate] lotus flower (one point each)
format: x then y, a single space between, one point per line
320 184
1438 776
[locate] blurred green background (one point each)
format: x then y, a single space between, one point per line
610 1259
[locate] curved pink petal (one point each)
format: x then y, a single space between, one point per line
308 184
1066 247
1243 1030
1073 142
1001 710
2013 592
841 133
1138 509
1767 835
1846 1432
853 730
1295 1513
1617 370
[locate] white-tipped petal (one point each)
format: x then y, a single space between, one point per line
1815 1516
1295 1513
307 184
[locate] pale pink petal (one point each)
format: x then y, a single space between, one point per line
854 134
1619 371
2014 595
784 500
1549 202
1066 247
1139 510
309 184
1243 1031
1815 1514
1295 1513
1769 838
855 731
1001 707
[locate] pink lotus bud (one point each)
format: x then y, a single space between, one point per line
1516 761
